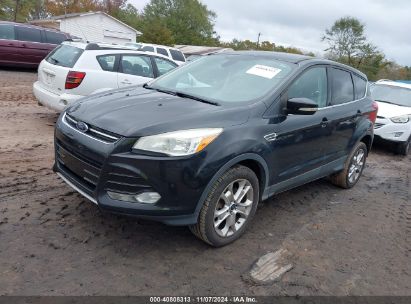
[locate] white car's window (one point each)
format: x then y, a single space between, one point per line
64 55
177 55
147 49
163 65
162 51
136 65
391 94
107 62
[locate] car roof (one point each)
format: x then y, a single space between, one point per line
394 83
33 26
293 58
105 48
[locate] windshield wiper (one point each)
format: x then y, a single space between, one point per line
55 60
146 86
185 95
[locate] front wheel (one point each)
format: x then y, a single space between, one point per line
404 148
353 167
228 208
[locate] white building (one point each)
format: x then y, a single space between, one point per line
92 26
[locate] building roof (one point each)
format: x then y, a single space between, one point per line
72 15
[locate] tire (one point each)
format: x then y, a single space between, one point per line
344 178
404 148
219 204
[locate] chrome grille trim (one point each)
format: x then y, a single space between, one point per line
106 138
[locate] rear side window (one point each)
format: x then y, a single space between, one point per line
107 62
163 65
162 51
360 86
137 65
7 32
64 55
312 85
342 86
28 34
147 49
177 55
54 38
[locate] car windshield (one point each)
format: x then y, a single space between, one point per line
391 94
227 78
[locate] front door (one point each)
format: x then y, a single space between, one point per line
298 144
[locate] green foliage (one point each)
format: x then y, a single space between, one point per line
179 21
236 44
348 44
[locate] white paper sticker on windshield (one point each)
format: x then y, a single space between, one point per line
264 71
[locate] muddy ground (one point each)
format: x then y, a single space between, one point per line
55 242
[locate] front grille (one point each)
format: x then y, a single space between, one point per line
82 170
378 125
92 131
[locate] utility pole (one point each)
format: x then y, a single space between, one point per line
258 40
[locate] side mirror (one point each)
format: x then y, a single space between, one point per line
301 106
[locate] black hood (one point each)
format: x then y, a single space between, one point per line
137 112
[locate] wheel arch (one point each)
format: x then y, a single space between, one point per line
253 161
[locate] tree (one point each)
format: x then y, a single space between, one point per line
348 44
346 39
181 21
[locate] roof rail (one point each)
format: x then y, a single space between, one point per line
105 46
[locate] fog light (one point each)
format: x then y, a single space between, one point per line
148 197
144 197
398 134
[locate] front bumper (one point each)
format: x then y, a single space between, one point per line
385 129
51 100
92 168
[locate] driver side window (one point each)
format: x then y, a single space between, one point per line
311 84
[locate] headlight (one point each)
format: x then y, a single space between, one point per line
401 119
178 143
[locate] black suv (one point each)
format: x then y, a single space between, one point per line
203 144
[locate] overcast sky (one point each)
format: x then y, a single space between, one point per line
301 23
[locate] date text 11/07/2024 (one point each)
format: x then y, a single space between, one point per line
199 299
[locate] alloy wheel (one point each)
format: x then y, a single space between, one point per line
356 166
233 207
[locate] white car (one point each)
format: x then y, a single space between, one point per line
172 53
394 113
77 69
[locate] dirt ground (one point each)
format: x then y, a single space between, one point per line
55 242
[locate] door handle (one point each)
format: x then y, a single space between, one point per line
359 114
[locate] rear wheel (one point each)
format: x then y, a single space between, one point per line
228 208
404 148
353 168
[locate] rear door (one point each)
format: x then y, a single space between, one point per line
31 49
53 70
342 112
134 70
9 46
